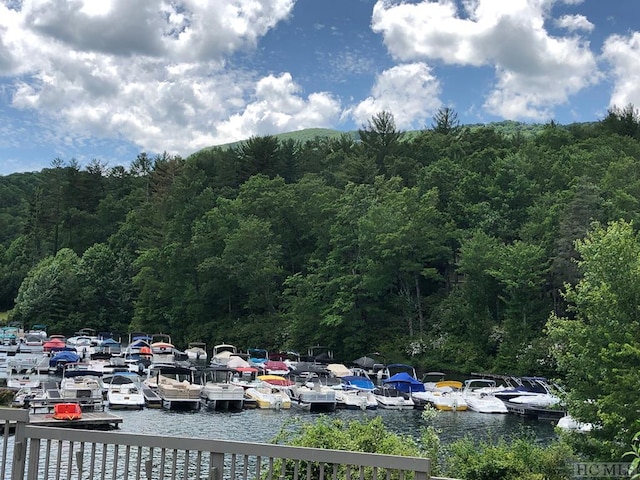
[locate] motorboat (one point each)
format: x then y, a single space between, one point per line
25 380
219 391
320 354
539 400
32 342
390 398
268 396
339 370
356 393
55 343
61 359
175 386
257 356
568 423
222 352
197 352
82 385
479 399
313 396
124 391
162 350
276 367
24 362
406 383
445 395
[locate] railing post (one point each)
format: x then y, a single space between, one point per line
216 467
19 448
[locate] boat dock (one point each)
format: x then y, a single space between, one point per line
92 420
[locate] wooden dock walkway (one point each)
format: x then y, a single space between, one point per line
93 420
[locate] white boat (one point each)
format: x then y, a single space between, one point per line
268 396
151 397
355 393
162 350
33 342
313 396
221 353
197 352
81 385
176 386
339 370
219 392
26 380
390 398
445 396
477 398
125 392
569 423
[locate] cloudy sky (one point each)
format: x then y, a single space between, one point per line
108 79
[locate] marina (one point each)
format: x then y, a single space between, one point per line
253 395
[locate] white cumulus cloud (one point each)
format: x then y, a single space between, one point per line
152 72
623 53
574 23
534 71
409 91
278 107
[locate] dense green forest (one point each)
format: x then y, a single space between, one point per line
448 247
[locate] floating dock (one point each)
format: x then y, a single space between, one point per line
91 420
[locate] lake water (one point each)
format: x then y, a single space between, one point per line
258 425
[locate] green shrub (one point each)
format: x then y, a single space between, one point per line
520 459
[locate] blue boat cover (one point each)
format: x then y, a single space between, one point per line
403 382
65 356
357 383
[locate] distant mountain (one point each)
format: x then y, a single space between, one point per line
299 135
507 127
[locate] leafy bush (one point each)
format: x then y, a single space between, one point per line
521 459
356 436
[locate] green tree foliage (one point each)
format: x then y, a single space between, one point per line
445 121
622 121
598 346
519 459
380 138
446 247
50 293
357 436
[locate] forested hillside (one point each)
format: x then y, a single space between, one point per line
447 248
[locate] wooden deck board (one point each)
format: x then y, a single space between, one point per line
88 420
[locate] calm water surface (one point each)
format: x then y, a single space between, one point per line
263 425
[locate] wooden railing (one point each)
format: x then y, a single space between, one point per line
46 452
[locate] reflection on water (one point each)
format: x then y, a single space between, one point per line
263 425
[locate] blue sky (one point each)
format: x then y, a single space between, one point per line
107 80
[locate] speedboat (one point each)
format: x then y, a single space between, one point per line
27 380
356 393
197 352
124 392
390 398
479 400
269 396
445 395
407 384
569 423
221 353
